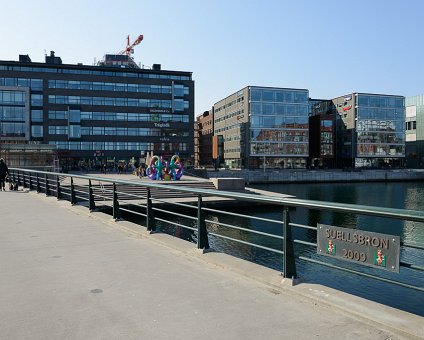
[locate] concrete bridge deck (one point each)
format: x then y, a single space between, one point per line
69 274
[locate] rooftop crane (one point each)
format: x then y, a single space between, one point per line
130 47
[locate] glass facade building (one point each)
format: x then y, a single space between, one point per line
264 127
380 130
278 127
88 112
370 130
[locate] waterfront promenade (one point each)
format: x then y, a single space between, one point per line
69 274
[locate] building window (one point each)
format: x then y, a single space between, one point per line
37 131
178 90
74 116
178 105
58 130
12 129
12 113
37 100
74 131
36 84
36 116
137 102
12 97
86 146
60 145
74 146
58 115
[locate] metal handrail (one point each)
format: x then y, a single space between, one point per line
221 224
113 196
402 214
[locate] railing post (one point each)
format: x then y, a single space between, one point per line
19 179
24 180
150 219
289 265
38 184
47 190
73 198
58 189
30 181
116 213
202 234
92 204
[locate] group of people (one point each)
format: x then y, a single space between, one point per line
4 173
123 167
120 168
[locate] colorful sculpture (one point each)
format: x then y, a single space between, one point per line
160 170
175 168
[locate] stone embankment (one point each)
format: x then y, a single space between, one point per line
314 176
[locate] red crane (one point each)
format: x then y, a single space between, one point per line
130 47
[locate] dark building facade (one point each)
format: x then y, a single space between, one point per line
322 135
107 113
204 125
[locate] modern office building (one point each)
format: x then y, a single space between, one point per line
103 113
369 130
414 126
264 127
204 133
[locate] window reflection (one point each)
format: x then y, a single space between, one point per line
380 125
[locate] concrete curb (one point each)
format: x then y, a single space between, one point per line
403 324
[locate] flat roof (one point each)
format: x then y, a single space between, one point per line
89 67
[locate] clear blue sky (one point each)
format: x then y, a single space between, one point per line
327 46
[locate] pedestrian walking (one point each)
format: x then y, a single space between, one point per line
4 172
141 171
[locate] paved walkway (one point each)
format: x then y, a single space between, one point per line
68 274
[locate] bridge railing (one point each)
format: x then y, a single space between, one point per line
184 207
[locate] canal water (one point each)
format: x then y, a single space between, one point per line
405 195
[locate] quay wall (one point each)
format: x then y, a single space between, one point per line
317 176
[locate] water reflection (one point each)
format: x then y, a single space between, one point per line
395 195
414 200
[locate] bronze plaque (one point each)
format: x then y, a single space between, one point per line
363 247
